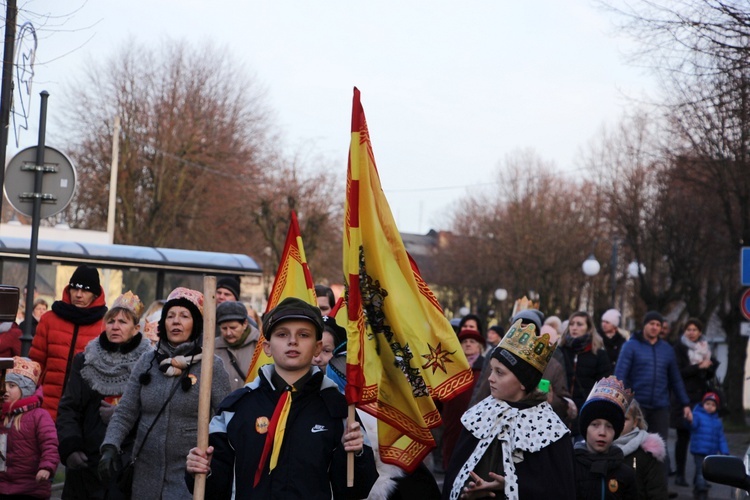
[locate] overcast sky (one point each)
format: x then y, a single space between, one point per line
449 88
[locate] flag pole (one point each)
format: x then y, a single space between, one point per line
207 371
350 454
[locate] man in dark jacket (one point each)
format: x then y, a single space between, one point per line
648 366
283 435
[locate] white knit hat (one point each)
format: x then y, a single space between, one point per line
612 316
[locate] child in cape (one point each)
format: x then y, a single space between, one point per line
28 439
599 468
706 438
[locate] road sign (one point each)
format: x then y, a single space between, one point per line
745 304
58 183
745 266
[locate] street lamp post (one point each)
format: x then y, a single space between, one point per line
591 268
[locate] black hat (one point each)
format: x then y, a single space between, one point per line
231 311
339 333
230 284
651 316
86 278
292 308
608 400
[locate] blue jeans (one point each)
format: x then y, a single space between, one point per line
699 482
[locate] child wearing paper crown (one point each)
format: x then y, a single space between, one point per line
513 444
28 440
599 469
706 438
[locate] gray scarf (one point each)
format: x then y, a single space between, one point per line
107 372
631 441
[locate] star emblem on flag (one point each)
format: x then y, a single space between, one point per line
437 358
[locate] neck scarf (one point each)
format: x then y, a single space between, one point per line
107 366
77 315
580 344
174 359
518 430
631 441
698 351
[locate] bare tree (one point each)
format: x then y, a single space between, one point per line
194 136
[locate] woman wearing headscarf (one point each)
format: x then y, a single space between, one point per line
586 360
97 381
161 398
513 437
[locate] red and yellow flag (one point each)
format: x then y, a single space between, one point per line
401 350
293 279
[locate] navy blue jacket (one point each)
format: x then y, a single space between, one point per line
707 434
651 371
312 460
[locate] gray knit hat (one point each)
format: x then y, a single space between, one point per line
27 386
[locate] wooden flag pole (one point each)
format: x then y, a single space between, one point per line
350 454
207 371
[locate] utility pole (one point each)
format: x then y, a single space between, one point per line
6 91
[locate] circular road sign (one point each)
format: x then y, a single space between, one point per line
58 181
745 304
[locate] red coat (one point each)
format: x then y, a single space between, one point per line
52 342
10 342
32 446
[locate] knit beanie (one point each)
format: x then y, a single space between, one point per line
612 316
338 332
651 316
711 396
534 316
608 400
230 284
192 300
293 308
86 278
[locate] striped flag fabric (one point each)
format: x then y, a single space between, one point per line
293 279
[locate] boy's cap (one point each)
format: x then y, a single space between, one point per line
230 311
292 308
711 396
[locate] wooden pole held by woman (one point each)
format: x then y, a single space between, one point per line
204 399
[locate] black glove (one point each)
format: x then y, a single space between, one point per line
110 464
77 460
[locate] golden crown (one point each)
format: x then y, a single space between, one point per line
523 304
129 300
524 342
612 390
26 368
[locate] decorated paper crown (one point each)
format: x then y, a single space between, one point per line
524 342
612 390
193 296
523 304
129 300
26 368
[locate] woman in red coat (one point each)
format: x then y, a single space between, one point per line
65 330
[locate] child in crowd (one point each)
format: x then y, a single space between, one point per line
28 439
284 434
599 469
644 452
706 438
